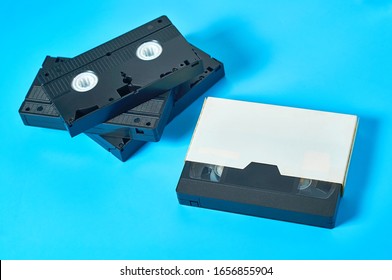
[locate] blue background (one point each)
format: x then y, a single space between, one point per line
63 198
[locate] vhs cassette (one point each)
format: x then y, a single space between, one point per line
144 122
99 84
292 165
124 148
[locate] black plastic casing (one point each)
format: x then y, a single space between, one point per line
124 80
145 122
260 190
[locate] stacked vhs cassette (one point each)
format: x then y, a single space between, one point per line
122 93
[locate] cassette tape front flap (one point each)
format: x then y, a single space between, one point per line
120 74
270 161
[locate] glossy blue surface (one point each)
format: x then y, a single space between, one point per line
63 198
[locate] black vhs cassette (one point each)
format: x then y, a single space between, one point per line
270 161
145 122
99 84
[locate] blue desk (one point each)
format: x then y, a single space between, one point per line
63 198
